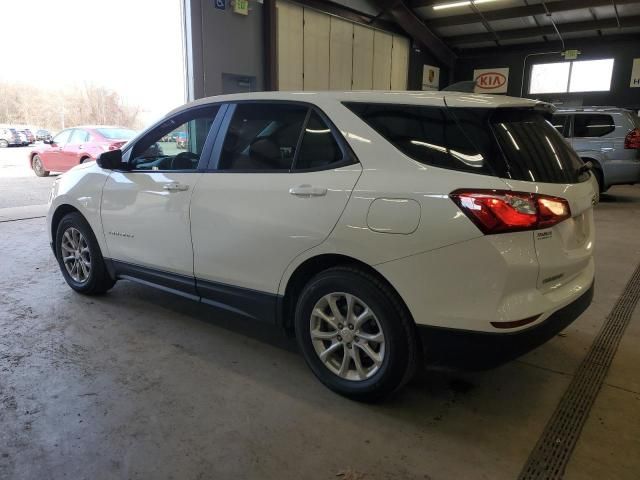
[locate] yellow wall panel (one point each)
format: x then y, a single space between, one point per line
340 54
362 58
290 41
399 63
382 45
316 50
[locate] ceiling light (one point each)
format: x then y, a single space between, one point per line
464 3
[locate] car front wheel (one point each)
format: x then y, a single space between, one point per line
79 256
38 167
354 334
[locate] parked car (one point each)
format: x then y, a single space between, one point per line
609 137
76 145
31 138
9 137
181 140
43 135
373 225
24 140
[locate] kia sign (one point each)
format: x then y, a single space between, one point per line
491 80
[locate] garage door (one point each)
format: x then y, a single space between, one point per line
317 51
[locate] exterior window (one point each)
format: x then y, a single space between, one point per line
592 125
262 137
572 77
160 149
79 136
62 138
429 135
505 142
319 148
560 123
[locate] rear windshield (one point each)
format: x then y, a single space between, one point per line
519 144
116 133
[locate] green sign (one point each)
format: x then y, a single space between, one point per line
241 7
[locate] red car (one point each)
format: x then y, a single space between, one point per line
75 145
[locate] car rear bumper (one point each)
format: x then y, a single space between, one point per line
481 350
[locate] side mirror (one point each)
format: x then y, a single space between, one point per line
111 160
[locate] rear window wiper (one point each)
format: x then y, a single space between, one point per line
586 167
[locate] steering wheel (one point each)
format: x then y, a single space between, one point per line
184 161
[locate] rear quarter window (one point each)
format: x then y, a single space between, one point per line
592 125
520 144
429 135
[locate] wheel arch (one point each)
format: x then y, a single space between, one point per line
59 214
311 267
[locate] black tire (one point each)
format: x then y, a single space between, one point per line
401 347
597 173
38 167
3 143
99 280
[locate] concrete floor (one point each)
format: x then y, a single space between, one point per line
138 384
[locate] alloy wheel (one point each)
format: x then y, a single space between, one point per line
37 166
76 255
347 336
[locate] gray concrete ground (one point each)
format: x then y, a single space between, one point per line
18 184
138 384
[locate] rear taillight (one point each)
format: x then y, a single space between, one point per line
499 211
632 140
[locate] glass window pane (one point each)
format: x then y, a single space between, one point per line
430 135
319 148
262 136
549 78
559 122
61 138
78 136
157 151
592 125
591 76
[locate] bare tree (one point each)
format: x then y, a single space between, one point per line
54 110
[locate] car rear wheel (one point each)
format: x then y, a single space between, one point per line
79 256
600 179
38 167
354 334
3 143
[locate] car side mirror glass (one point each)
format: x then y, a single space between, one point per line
111 160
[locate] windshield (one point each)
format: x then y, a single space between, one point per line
117 133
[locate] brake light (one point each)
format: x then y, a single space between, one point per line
498 211
632 140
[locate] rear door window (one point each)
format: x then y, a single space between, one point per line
592 125
262 137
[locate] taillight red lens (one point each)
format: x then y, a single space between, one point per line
499 211
632 140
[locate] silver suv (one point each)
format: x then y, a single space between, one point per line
609 137
8 136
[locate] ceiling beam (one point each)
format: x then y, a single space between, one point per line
416 29
546 30
514 12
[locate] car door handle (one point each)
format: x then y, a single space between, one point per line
307 191
176 187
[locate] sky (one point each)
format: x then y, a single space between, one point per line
131 46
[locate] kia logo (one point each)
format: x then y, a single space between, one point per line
491 80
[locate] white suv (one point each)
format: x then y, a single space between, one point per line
380 227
